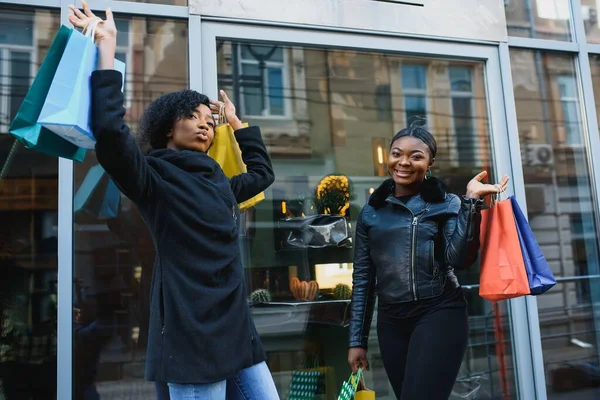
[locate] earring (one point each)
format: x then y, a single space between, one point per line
428 174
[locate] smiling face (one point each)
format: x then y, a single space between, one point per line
194 132
408 162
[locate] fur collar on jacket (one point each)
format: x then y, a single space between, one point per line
432 190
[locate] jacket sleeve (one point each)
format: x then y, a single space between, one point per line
363 289
461 232
259 175
116 149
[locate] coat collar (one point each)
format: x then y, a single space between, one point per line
432 192
187 160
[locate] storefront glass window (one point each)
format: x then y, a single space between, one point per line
342 109
113 252
28 220
539 19
562 214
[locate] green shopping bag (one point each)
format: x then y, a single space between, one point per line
305 384
312 381
350 387
25 126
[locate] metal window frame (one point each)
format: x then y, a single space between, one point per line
529 378
65 178
580 50
523 311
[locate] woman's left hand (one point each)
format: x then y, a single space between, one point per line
229 110
476 189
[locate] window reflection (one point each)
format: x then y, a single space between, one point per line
329 153
540 19
29 219
562 215
114 252
589 13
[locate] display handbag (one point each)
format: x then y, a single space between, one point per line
503 274
226 151
316 231
539 273
25 126
66 111
98 195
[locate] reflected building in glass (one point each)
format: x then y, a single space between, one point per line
508 87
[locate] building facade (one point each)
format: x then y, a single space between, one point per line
510 86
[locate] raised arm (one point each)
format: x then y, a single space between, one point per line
461 232
259 175
116 149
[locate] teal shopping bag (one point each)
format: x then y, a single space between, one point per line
66 111
98 195
25 125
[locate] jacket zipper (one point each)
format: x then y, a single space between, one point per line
470 221
415 221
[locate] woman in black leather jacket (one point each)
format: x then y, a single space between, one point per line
409 239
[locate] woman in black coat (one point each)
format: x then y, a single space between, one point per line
409 239
201 339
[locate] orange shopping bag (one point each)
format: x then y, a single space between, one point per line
503 274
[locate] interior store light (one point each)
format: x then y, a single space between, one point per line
380 154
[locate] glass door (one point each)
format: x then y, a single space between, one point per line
328 105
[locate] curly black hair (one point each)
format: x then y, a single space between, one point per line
160 116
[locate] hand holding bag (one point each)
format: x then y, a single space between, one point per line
226 151
66 111
355 388
503 273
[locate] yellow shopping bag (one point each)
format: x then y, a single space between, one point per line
226 151
363 393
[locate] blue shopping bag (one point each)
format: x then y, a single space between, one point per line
98 195
25 127
66 111
539 274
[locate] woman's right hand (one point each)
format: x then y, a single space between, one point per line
357 357
106 31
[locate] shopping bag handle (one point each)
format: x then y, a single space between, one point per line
355 379
222 116
499 196
90 29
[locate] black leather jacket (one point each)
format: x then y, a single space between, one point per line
408 252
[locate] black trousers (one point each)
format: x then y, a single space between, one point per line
422 354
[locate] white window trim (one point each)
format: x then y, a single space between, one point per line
417 92
284 65
5 78
128 64
464 94
573 100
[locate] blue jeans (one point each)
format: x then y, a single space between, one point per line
254 383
